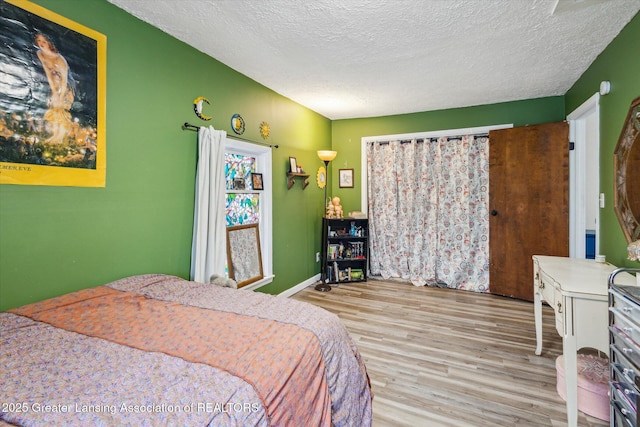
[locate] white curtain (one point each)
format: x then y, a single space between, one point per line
208 250
430 224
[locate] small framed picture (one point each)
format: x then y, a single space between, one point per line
346 178
293 165
256 181
238 183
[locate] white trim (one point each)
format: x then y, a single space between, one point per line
300 286
260 283
578 173
263 157
417 135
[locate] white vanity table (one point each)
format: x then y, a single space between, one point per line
576 289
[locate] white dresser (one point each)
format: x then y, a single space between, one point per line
576 289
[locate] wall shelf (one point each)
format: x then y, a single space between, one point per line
291 179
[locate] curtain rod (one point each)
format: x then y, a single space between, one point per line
405 141
188 125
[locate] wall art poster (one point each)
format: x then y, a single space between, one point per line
52 99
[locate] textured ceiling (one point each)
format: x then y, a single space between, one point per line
366 58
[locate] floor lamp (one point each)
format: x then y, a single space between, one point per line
326 156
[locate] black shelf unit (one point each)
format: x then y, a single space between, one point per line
345 250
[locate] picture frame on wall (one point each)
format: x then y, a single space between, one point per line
256 181
238 183
293 165
56 106
345 178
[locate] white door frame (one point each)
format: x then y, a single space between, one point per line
578 172
414 135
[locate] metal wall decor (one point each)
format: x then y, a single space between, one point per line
265 130
321 177
237 124
197 107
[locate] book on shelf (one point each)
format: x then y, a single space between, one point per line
329 273
332 251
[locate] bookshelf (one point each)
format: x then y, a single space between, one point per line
345 250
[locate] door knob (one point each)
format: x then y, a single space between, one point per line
494 212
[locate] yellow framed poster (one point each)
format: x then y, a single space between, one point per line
52 99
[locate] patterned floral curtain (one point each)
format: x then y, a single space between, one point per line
430 225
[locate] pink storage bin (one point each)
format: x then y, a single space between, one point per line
593 384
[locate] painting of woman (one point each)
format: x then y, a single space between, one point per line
52 103
57 117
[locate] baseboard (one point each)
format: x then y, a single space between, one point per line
300 286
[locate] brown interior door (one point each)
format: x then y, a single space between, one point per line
528 203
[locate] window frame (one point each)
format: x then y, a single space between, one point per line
263 158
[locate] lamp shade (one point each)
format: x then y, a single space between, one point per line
327 155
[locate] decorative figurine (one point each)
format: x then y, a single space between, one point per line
337 207
331 210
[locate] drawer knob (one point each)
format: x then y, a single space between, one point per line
559 307
541 285
626 309
627 330
627 350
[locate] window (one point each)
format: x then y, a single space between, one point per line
243 202
245 205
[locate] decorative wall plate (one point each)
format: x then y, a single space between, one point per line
265 130
237 124
322 177
197 107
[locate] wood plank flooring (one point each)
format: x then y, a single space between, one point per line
442 357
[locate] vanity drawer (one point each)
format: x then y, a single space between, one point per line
619 418
548 291
625 399
559 308
622 369
625 375
627 325
623 304
625 345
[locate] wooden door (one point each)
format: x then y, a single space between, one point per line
528 203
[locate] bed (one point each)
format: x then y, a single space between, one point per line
160 350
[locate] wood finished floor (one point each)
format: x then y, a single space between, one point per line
441 357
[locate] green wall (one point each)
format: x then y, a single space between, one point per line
347 134
55 240
619 63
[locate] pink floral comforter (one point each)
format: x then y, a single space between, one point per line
159 350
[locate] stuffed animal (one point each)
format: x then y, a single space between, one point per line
223 281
